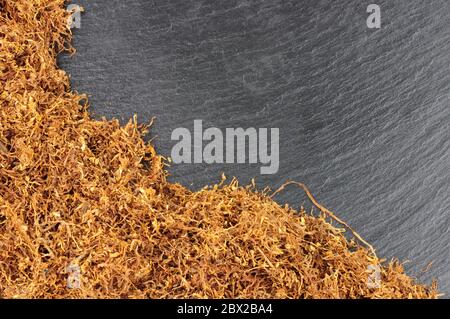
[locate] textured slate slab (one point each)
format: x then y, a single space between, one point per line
364 115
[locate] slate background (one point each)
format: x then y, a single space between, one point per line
364 114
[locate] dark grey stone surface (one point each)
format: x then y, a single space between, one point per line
364 115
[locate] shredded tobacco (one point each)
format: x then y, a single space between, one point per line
86 210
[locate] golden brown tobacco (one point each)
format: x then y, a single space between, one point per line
78 193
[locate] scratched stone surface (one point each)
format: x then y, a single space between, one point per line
364 114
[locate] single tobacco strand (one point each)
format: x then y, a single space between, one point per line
326 211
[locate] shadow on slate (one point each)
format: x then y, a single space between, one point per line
364 115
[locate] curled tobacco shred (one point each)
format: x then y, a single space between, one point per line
86 211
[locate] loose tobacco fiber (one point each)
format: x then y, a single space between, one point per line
86 211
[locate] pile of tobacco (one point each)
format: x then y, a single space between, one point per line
86 211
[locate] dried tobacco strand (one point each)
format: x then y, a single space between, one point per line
86 211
